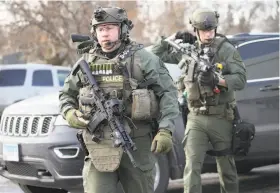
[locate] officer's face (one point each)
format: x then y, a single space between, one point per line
106 35
206 36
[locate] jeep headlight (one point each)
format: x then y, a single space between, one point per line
60 121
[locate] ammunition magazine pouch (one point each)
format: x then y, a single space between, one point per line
192 88
144 105
191 71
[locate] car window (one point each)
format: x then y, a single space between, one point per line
262 59
12 77
257 49
264 67
42 78
62 74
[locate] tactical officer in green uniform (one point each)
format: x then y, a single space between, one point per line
139 79
210 98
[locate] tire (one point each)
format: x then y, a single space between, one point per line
35 189
162 174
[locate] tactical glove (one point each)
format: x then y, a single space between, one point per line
208 79
162 142
186 37
75 119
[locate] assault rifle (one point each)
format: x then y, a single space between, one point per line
195 60
107 112
193 56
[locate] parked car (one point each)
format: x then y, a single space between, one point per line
21 81
39 151
259 101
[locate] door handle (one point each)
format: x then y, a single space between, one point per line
269 88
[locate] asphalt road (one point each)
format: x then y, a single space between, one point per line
260 180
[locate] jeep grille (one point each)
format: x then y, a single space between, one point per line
26 125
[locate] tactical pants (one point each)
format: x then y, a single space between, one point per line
201 130
136 180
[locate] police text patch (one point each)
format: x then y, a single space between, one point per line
116 78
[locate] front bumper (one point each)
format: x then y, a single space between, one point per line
54 161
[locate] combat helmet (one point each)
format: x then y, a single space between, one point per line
204 19
112 15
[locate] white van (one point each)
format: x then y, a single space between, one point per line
21 81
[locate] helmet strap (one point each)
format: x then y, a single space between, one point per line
215 32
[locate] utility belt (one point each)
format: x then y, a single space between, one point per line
209 101
224 110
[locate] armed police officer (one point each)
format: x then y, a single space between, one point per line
140 81
210 83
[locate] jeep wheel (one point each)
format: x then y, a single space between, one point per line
162 174
35 189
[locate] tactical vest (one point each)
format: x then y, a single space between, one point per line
118 78
121 78
104 157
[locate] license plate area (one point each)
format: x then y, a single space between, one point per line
10 152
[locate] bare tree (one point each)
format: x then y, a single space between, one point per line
43 30
3 40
